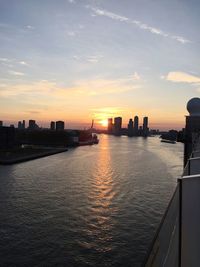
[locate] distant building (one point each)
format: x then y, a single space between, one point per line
19 125
1 123
52 125
140 131
32 125
23 124
110 125
145 126
136 125
154 132
117 125
130 128
60 125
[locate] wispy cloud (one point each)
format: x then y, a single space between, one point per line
3 59
6 62
3 85
136 76
71 33
181 77
30 27
81 26
139 24
108 14
84 88
40 87
33 112
90 59
98 87
11 62
23 63
76 57
180 39
94 59
16 73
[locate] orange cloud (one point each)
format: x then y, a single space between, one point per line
79 88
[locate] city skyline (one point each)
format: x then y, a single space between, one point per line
104 124
84 60
99 124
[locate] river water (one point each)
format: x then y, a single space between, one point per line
90 206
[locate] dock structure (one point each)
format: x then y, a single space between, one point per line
177 241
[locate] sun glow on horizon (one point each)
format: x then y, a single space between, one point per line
104 123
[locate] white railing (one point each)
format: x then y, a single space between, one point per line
165 247
177 242
190 220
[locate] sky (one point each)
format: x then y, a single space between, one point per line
78 60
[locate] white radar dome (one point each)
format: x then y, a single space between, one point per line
193 106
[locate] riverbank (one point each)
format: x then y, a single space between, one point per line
17 155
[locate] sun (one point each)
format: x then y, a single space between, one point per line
104 123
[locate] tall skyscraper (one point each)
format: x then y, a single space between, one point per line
19 125
32 125
136 125
60 125
130 128
52 125
117 125
1 123
145 126
23 124
110 125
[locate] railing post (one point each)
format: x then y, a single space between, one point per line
180 222
190 221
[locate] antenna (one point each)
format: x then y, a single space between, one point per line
92 124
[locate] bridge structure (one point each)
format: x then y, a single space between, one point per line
177 241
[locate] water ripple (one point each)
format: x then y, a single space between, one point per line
90 206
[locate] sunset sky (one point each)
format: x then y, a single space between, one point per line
78 60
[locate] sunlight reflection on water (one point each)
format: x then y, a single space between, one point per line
91 206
